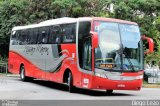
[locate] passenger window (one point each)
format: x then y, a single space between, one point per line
21 37
28 34
34 36
52 36
13 38
55 36
69 33
18 37
43 35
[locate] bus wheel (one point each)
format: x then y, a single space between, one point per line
109 92
70 83
22 73
23 77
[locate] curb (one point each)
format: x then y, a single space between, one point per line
151 86
9 75
13 75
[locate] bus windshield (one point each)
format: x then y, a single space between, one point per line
120 47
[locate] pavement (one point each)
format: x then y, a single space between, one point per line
11 88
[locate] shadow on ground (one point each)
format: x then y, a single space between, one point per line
62 87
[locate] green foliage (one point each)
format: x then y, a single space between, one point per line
3 59
146 14
23 12
157 23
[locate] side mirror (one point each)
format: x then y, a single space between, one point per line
94 39
150 43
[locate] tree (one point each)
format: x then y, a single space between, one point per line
23 12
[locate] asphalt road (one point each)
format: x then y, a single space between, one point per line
11 88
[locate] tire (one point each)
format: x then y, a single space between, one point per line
23 77
70 83
109 92
22 73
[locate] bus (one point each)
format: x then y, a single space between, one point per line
86 52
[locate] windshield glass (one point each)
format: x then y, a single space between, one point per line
119 47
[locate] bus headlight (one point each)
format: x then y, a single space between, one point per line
100 75
139 77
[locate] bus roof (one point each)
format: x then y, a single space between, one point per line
66 20
114 20
48 23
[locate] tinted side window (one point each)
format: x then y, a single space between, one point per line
28 34
13 40
21 37
55 36
18 34
34 34
52 35
69 33
43 35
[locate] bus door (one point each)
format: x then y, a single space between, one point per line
87 62
84 53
